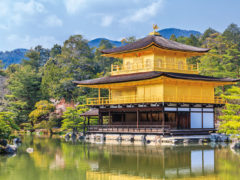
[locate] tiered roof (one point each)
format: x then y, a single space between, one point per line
158 41
162 43
151 75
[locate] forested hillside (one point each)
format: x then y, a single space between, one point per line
12 57
178 32
49 74
16 56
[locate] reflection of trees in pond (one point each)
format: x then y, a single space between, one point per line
51 159
227 164
56 159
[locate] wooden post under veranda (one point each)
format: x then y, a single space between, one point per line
84 126
137 118
88 121
99 95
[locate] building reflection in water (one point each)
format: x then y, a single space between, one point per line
129 162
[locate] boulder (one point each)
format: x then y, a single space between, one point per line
215 137
74 136
17 141
10 149
29 150
3 142
236 145
82 137
67 136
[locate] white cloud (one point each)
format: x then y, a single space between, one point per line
4 8
106 21
16 41
16 19
144 13
30 7
15 12
4 27
53 21
72 6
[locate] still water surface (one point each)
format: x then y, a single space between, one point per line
55 159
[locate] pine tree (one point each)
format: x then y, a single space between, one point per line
230 117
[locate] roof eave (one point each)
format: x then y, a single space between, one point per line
153 44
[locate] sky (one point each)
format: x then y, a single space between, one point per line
28 23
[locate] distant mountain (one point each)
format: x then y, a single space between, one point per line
96 42
15 56
166 33
178 32
12 57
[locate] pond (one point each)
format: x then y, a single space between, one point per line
53 158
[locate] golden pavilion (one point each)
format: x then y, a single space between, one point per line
155 90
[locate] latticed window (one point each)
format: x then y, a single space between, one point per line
159 63
148 63
170 60
180 65
128 65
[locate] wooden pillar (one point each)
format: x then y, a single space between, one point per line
88 121
214 117
163 116
137 118
122 113
109 95
151 117
202 115
84 126
99 95
177 119
99 118
109 120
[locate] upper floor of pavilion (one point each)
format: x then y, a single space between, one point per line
154 53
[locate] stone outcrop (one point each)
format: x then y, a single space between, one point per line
215 137
236 145
6 148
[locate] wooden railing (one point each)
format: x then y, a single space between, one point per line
129 128
163 67
136 100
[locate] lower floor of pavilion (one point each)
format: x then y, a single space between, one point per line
156 119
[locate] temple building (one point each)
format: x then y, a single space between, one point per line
156 90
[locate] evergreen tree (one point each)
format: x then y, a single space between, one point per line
7 125
56 50
232 33
230 117
74 63
207 34
173 37
41 115
72 119
24 86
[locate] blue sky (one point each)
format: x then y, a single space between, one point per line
27 23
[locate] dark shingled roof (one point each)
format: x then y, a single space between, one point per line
150 75
159 41
91 112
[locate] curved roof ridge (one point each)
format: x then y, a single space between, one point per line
150 75
159 41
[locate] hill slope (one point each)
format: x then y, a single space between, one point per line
15 56
166 33
12 57
96 42
178 32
